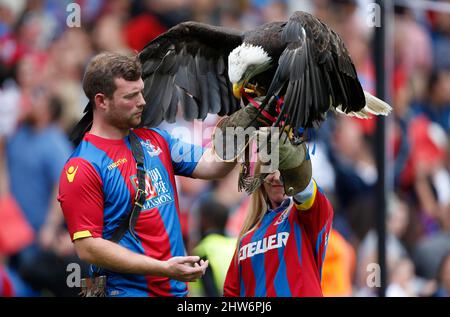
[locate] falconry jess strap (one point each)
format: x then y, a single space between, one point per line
129 222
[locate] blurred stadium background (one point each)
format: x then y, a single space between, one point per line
42 61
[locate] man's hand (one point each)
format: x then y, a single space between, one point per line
116 258
186 268
227 140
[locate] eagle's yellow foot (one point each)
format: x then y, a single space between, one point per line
249 91
254 89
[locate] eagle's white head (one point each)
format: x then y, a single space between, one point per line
245 62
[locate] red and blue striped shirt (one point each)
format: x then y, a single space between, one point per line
97 189
284 254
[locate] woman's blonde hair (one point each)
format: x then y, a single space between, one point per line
256 209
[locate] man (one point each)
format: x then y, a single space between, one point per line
98 186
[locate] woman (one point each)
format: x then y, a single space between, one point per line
282 244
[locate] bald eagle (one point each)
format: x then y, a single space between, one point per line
296 70
208 69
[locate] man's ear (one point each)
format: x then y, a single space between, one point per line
101 101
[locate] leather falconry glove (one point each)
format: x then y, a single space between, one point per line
294 162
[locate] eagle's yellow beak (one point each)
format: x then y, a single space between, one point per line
237 90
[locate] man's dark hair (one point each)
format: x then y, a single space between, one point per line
99 78
104 68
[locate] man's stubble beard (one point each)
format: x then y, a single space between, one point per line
122 122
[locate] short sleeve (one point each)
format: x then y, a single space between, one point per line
81 199
184 156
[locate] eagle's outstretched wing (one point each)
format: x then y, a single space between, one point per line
188 65
314 72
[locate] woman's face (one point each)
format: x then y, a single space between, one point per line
274 189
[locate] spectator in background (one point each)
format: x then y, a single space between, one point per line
436 105
141 28
118 8
231 14
431 249
416 62
403 114
444 277
344 17
11 48
402 280
15 234
349 20
28 75
224 192
169 12
356 175
108 35
420 156
38 26
215 246
273 10
441 38
209 11
9 12
338 267
432 180
67 56
236 218
9 99
396 224
190 189
36 153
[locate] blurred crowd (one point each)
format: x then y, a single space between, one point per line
42 61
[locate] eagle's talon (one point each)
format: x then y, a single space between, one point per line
249 91
254 90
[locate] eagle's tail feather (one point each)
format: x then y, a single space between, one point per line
376 106
362 114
